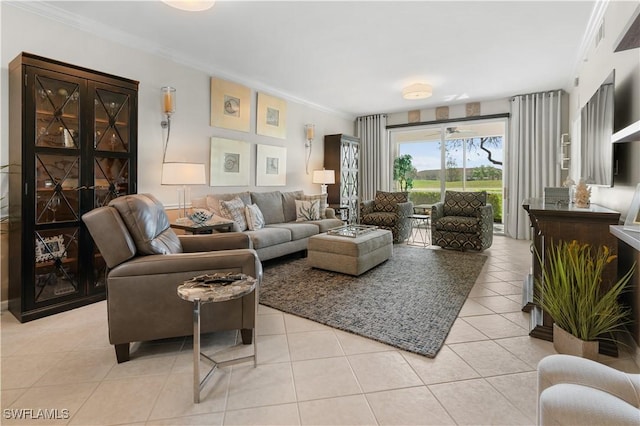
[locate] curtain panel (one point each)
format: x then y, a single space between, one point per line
533 155
375 168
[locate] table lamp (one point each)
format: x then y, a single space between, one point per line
324 177
183 174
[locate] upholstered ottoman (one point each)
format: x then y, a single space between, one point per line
350 255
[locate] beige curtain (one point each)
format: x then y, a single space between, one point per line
533 161
375 169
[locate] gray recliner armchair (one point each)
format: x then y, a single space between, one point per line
147 261
464 221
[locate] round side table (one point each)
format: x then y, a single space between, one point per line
212 289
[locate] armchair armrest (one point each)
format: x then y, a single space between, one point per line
366 207
185 265
330 213
437 211
486 215
214 242
404 209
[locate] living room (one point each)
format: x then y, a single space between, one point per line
99 46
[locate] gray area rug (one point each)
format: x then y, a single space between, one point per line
409 301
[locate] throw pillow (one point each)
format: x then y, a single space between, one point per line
322 203
234 210
255 219
289 204
307 210
387 201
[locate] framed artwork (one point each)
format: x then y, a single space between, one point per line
229 163
271 165
632 223
230 105
50 248
271 116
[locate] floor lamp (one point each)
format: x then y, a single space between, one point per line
183 174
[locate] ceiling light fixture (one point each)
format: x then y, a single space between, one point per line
190 5
417 91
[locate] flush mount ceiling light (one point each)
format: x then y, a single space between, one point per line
190 5
417 91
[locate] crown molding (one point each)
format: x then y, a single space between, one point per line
51 12
595 20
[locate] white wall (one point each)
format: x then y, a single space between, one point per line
190 130
598 63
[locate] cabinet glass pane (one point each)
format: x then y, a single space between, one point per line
111 121
57 188
99 270
111 179
57 113
56 256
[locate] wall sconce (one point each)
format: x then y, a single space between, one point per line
168 108
309 133
324 177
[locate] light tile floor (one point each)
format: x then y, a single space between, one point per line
307 373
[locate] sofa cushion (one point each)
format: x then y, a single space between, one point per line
213 200
255 219
147 222
270 204
325 224
307 210
289 204
464 203
298 230
387 201
322 199
269 236
380 219
234 210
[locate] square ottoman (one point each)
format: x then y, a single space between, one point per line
347 255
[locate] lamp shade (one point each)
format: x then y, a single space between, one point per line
324 176
417 91
183 174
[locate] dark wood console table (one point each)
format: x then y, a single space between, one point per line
551 224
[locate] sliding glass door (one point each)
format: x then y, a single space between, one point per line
463 156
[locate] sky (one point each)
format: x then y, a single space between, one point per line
426 155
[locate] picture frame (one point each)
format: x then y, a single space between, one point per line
271 165
50 248
271 117
229 162
230 105
632 223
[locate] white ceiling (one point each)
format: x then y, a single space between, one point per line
355 57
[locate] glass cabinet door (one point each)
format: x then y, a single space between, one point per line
57 112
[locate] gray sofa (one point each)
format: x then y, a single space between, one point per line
282 234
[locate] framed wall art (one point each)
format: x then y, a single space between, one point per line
229 163
271 116
271 165
230 105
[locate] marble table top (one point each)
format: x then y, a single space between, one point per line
216 287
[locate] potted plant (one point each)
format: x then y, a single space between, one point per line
572 292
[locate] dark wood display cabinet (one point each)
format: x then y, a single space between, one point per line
552 224
72 147
342 154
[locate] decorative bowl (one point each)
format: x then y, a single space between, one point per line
200 215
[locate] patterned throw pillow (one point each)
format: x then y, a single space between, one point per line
322 203
386 201
307 210
234 210
255 219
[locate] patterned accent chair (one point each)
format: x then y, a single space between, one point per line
389 210
464 221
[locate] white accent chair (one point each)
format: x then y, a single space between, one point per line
578 391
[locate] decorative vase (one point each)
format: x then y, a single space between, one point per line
568 344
